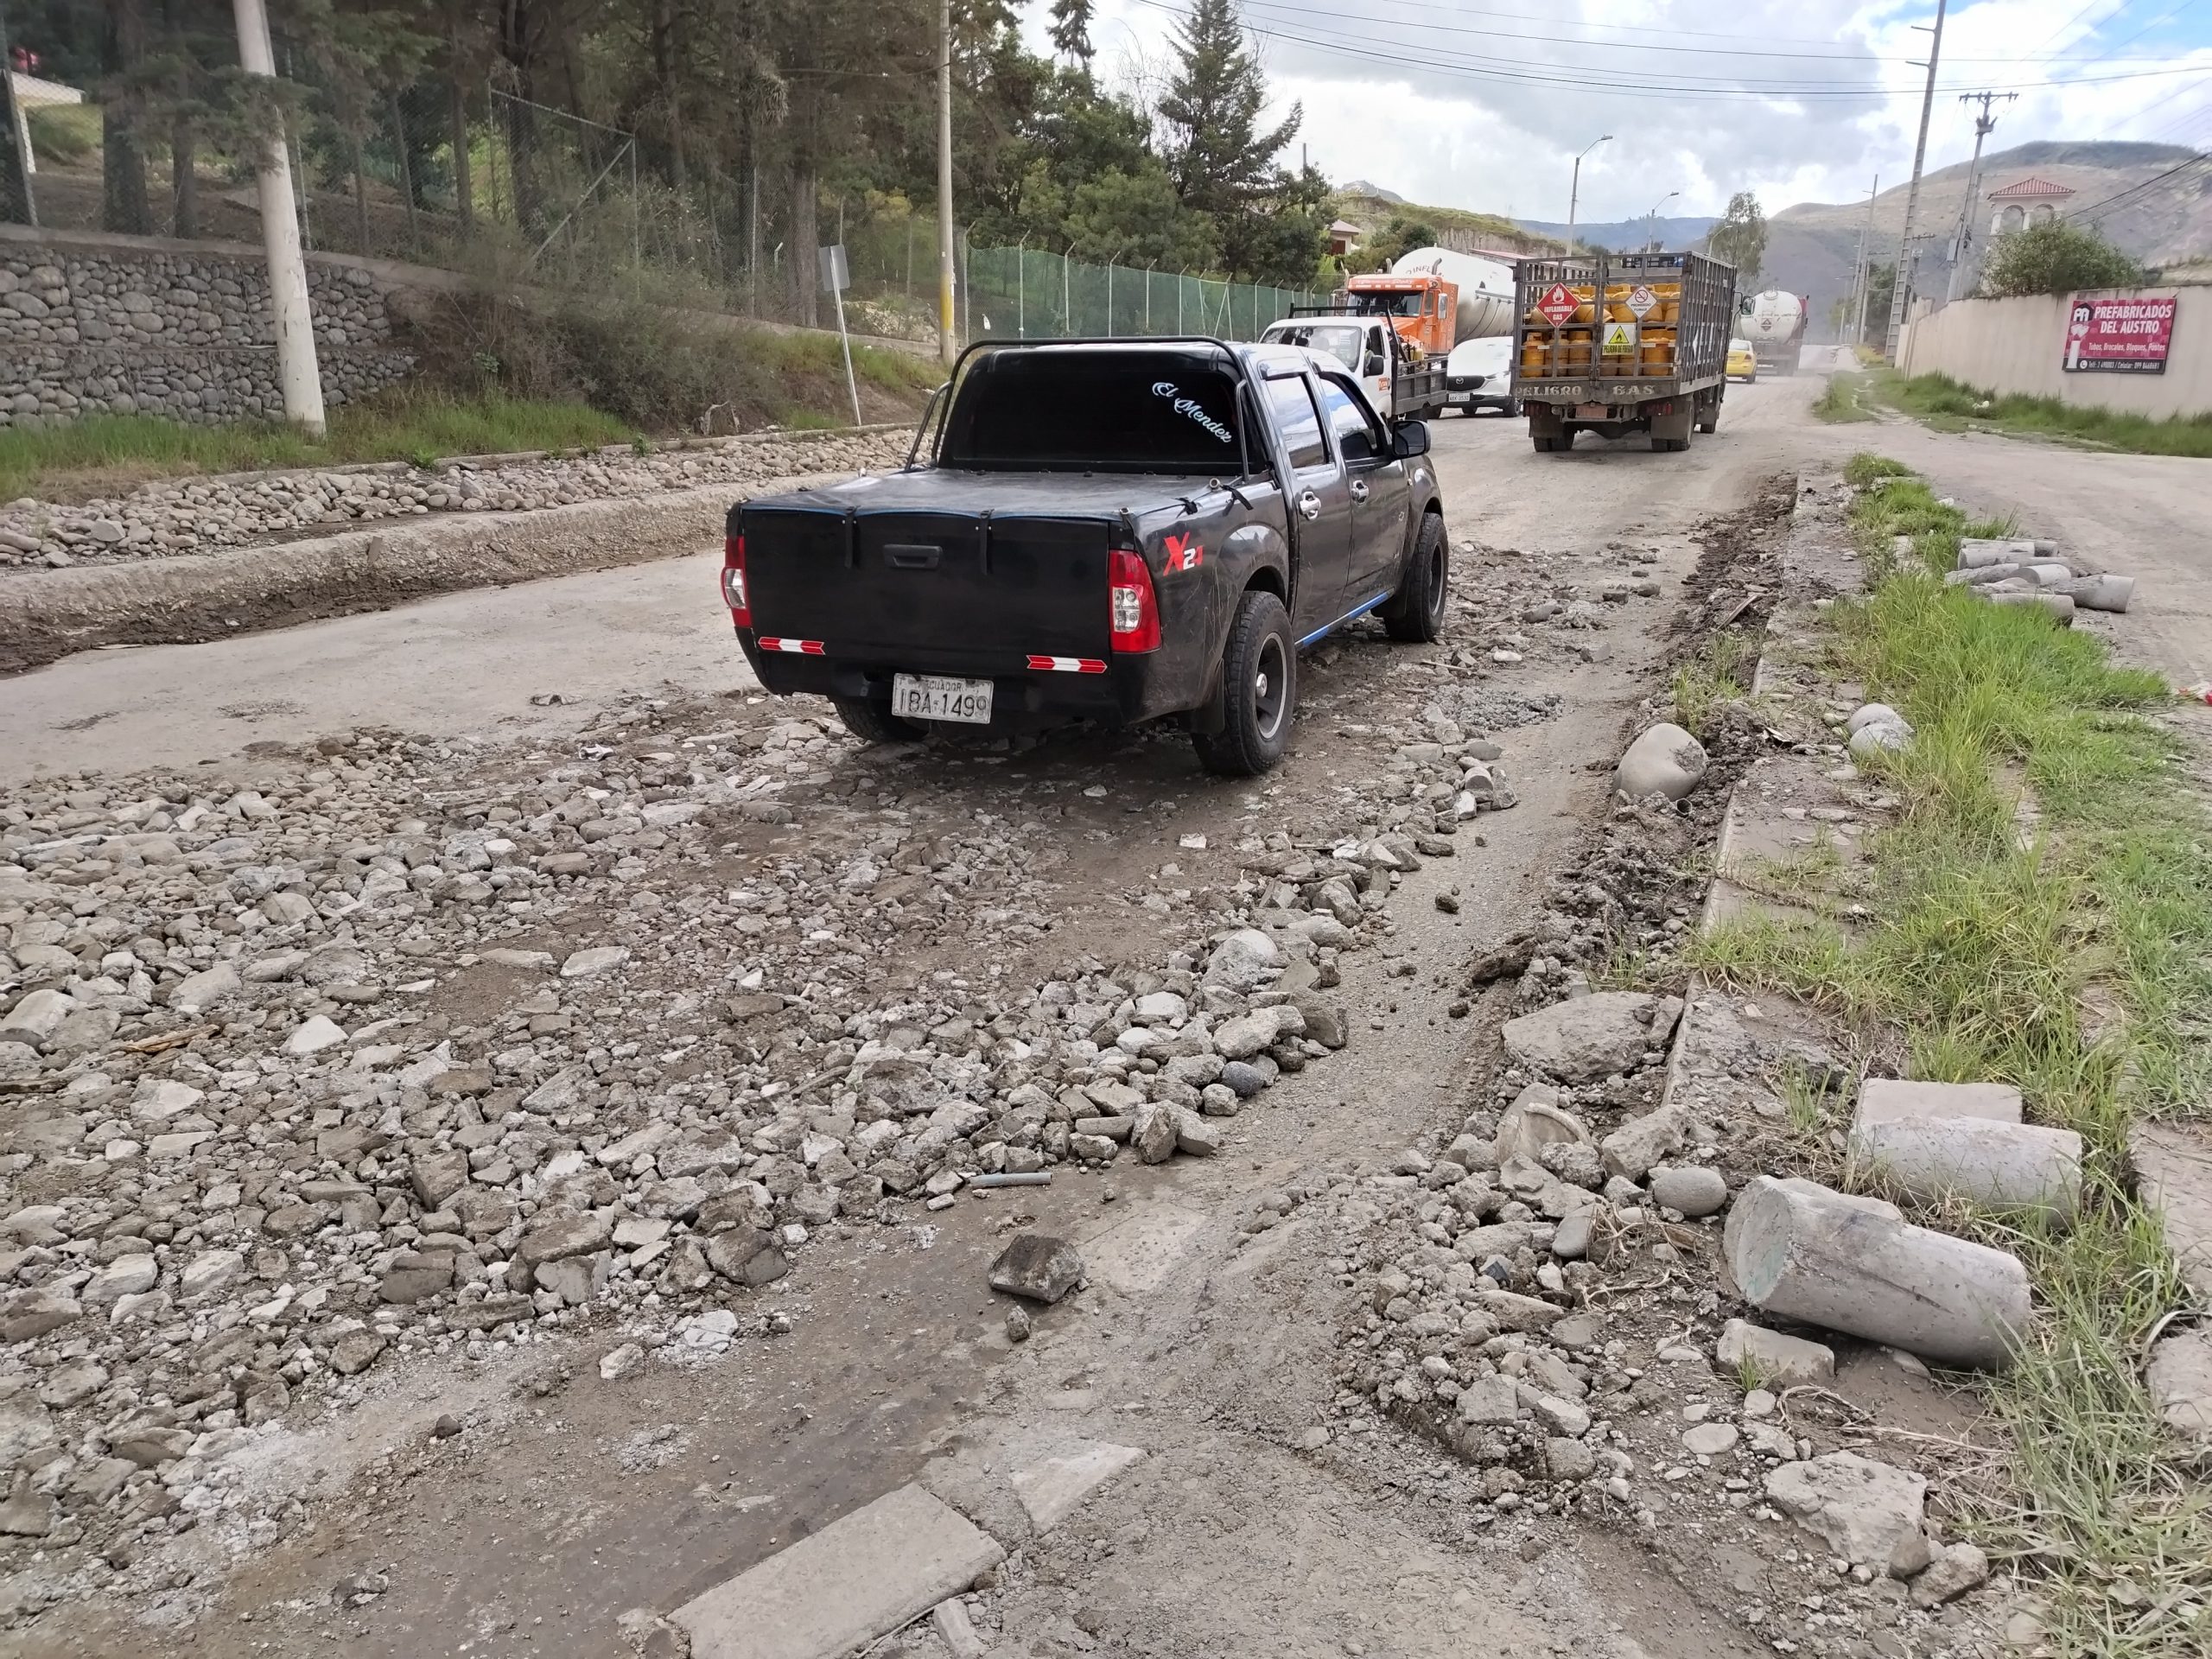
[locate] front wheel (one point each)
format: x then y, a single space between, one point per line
1415 613
870 720
1259 676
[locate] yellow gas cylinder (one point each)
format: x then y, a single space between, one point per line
1535 352
1577 350
1657 354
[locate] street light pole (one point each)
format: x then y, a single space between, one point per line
1574 192
1651 222
1912 195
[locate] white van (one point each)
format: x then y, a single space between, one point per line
1479 375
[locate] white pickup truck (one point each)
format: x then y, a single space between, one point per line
1368 345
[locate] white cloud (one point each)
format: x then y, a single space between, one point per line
1391 94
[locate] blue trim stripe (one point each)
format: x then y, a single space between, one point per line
1351 615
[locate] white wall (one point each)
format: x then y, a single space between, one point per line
2016 346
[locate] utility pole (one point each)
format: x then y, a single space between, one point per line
1574 191
1866 279
1897 289
947 345
18 202
297 374
1984 124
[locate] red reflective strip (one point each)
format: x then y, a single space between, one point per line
1090 665
795 647
1042 665
1066 665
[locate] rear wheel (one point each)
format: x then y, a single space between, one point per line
870 720
1415 613
1259 680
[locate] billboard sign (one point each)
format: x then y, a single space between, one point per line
2129 336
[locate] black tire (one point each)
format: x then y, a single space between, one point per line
1665 446
1544 445
870 720
1259 679
1510 410
1415 613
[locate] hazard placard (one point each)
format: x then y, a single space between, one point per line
1642 302
1558 304
1620 340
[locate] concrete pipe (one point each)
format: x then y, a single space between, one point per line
2099 592
1808 1254
1999 1166
2058 605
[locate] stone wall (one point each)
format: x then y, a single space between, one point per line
181 329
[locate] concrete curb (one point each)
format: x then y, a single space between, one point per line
882 1567
52 614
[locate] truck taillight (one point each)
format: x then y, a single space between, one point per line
734 594
1132 611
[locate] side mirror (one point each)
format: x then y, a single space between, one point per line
1373 363
1410 439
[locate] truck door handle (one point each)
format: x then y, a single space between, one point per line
912 555
1358 489
1310 505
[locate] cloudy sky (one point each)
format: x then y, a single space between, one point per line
1483 106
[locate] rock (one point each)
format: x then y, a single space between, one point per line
1571 1239
1038 1266
414 1276
27 1513
26 1314
1960 1568
2178 1376
1860 1508
1693 1189
1664 760
1244 1080
554 1234
1243 961
314 1034
1805 1253
124 1276
210 987
1018 1324
1512 1312
1588 1037
1777 1360
732 1254
1710 1439
437 1176
211 1272
1489 1400
355 1351
595 959
1249 1034
1324 1022
1873 713
625 1361
1911 1555
1156 1134
1534 1121
1882 737
1194 1136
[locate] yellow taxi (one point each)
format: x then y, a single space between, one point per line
1742 361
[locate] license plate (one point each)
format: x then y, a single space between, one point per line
1591 411
939 696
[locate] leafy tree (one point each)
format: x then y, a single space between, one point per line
1740 238
1398 237
1070 31
2056 257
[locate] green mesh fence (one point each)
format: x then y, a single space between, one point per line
1032 293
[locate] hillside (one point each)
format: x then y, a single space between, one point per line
1680 232
1363 205
1811 245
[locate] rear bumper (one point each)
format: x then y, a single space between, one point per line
1131 688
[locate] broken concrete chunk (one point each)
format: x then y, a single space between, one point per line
1804 1253
1777 1360
1999 1166
1886 1100
1861 1508
1037 1266
1664 760
1587 1038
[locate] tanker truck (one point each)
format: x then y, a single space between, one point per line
1774 322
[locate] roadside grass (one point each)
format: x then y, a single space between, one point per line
1948 406
63 133
1714 678
1840 402
103 453
1976 959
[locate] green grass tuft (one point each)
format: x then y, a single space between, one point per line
1949 406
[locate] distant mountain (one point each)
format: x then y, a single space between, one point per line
1625 233
1362 187
1811 247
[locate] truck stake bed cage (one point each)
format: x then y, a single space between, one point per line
1569 383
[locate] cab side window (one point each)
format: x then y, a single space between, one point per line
1301 422
1358 437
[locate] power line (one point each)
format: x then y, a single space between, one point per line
1850 55
2121 197
1702 89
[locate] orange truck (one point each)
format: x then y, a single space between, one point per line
1422 306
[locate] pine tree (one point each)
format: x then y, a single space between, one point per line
1071 30
1217 154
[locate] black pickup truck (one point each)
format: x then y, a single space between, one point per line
1118 531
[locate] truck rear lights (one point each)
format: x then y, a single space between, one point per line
733 590
1133 612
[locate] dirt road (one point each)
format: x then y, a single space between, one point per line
497 1495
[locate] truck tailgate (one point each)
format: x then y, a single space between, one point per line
919 590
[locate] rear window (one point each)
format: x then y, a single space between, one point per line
1055 410
1344 341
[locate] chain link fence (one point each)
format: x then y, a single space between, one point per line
474 176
